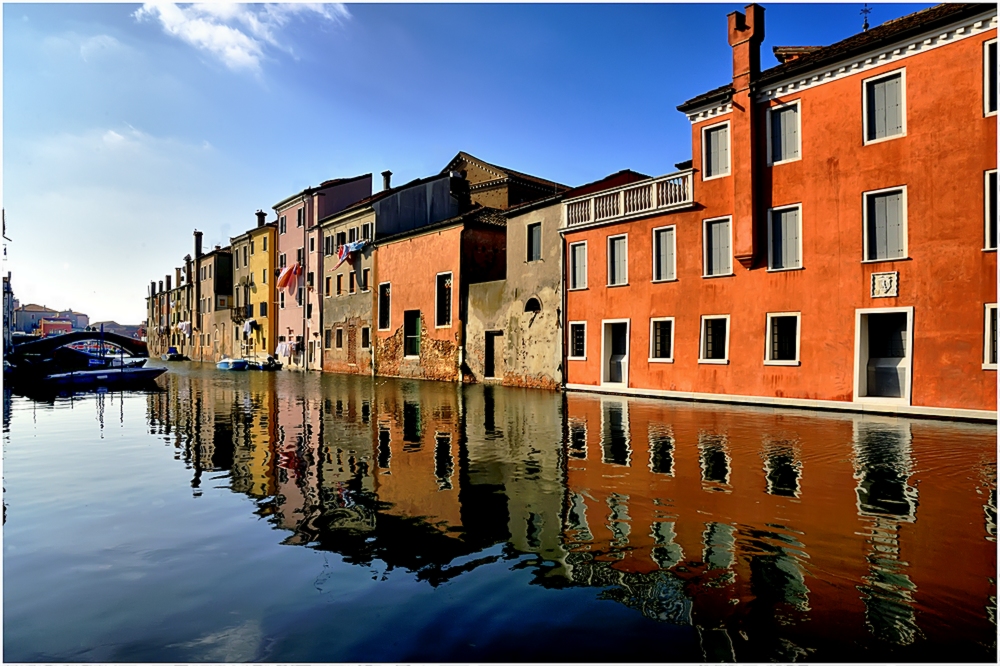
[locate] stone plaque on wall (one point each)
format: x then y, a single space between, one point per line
885 284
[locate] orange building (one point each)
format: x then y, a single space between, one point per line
831 245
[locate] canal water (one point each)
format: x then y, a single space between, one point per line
298 517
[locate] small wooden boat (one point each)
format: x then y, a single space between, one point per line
173 355
269 364
232 364
110 378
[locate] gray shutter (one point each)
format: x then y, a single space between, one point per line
885 107
786 230
668 255
885 226
790 133
894 225
723 245
723 135
620 261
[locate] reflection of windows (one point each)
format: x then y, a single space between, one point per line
384 439
661 449
443 464
883 465
576 519
782 470
578 439
614 434
411 422
719 541
620 521
714 459
666 553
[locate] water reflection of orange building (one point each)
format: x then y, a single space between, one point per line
768 508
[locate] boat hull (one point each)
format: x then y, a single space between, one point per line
232 364
110 378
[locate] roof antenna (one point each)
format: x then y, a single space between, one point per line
865 12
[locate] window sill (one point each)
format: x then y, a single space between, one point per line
885 261
622 284
417 357
534 261
785 270
720 275
786 363
673 279
870 142
714 361
989 366
788 161
577 289
443 326
990 114
721 175
576 358
878 400
989 249
660 360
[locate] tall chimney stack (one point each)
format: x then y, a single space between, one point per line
386 179
168 282
161 287
152 287
261 218
746 32
197 244
177 272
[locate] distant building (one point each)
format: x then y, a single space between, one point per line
9 303
54 326
128 330
79 320
27 317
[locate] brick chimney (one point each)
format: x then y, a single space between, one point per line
386 179
152 287
161 287
168 282
197 280
746 32
197 244
261 218
177 274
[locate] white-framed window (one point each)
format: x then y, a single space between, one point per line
885 224
664 254
578 265
340 338
990 77
884 106
442 293
577 341
784 129
782 335
661 340
990 337
300 216
717 244
617 260
715 151
990 209
281 299
784 238
714 339
281 225
534 241
384 306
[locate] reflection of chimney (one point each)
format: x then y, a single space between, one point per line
168 283
261 217
746 32
197 245
386 179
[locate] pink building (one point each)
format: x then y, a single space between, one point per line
300 266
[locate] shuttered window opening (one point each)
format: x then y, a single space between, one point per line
782 337
663 254
578 266
991 210
366 339
662 339
784 133
714 338
327 335
617 260
716 151
990 78
785 232
578 340
992 345
535 241
443 316
340 338
884 107
411 333
885 233
718 254
383 306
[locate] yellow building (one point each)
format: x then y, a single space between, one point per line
262 262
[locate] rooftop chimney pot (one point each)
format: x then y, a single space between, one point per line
386 179
261 217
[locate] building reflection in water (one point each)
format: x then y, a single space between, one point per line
438 480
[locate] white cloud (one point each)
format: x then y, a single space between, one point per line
236 34
99 45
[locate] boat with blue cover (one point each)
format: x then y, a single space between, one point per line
232 364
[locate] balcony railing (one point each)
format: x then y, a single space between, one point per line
648 196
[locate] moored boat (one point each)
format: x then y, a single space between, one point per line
173 355
232 364
269 364
107 377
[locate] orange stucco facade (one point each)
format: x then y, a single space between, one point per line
945 278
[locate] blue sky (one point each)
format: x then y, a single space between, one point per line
125 127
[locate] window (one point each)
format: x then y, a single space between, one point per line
341 239
263 276
352 280
990 77
327 338
309 309
533 305
784 237
715 151
236 259
617 260
578 266
263 309
281 299
340 284
327 284
885 107
443 300
300 255
282 260
782 346
717 247
364 279
352 234
383 307
783 133
990 342
534 241
661 339
298 297
411 333
210 270
990 197
300 216
367 230
885 224
263 242
281 225
714 339
664 254
366 337
310 278
245 249
578 340
312 243
251 246
340 338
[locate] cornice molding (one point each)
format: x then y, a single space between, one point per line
709 112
